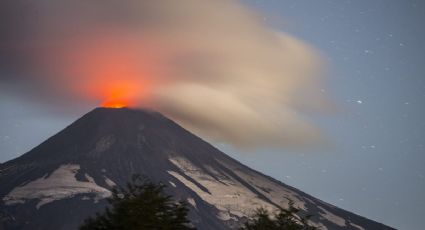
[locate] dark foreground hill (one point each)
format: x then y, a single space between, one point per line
67 178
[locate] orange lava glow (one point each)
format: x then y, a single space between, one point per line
116 102
115 71
113 104
120 94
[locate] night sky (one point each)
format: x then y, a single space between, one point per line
374 164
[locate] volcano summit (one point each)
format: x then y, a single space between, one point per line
64 180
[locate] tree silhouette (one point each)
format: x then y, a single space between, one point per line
142 205
285 219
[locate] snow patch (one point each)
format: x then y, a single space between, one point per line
332 217
191 201
59 185
318 225
224 216
357 226
172 184
89 178
227 195
109 182
270 189
233 199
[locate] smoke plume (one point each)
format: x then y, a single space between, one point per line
213 66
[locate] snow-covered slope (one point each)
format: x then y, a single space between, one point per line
61 184
65 179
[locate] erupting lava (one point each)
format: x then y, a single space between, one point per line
120 94
114 104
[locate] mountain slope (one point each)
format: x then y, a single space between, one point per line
65 179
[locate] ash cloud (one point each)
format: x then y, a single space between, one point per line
213 66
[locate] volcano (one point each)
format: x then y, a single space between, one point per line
59 183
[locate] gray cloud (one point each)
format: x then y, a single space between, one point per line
213 66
